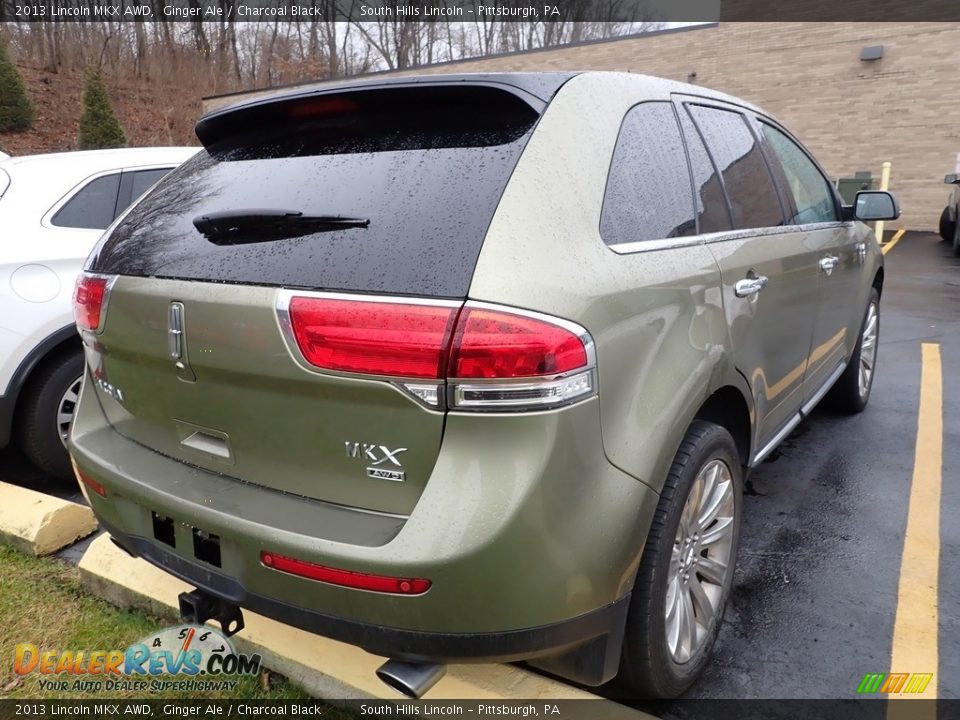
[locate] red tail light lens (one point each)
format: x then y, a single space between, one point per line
88 297
371 337
345 578
472 357
495 344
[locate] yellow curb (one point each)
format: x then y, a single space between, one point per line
323 667
40 524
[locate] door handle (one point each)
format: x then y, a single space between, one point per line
828 263
750 286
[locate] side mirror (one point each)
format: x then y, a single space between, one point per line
951 179
875 205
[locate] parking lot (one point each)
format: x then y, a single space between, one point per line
819 582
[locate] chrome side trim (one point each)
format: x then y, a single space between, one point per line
802 413
824 389
761 454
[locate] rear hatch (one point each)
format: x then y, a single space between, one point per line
380 193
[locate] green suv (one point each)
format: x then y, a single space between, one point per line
470 368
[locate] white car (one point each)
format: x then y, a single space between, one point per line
53 209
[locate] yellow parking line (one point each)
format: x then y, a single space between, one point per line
915 631
887 247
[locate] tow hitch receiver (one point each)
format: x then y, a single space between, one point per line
197 607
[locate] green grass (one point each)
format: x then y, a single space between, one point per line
42 602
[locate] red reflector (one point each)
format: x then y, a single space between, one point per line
492 344
371 337
346 578
90 482
88 298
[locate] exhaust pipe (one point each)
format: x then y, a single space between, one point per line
411 679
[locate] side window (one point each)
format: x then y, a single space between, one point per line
91 207
135 183
811 191
749 186
648 194
712 211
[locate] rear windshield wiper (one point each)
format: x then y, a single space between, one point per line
238 227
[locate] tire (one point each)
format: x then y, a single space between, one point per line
956 240
847 395
653 665
38 430
948 228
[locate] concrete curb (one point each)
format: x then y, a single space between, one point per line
39 524
324 668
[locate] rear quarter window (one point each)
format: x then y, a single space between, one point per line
648 193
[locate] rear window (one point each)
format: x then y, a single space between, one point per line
421 169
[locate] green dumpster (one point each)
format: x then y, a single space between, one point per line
850 186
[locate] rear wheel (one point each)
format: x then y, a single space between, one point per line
686 572
851 392
948 228
46 413
956 239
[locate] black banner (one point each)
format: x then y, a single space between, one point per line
874 709
219 11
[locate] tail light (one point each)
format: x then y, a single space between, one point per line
472 357
89 298
374 338
345 578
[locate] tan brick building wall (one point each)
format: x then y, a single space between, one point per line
852 114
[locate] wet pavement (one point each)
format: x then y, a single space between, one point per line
815 593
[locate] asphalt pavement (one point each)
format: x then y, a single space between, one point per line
817 588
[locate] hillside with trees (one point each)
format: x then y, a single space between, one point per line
156 73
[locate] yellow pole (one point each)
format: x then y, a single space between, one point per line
884 185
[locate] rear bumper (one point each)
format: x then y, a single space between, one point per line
531 549
604 623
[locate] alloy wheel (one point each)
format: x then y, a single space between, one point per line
868 349
700 561
66 408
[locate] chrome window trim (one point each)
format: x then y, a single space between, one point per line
639 246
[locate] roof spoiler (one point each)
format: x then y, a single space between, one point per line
341 105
